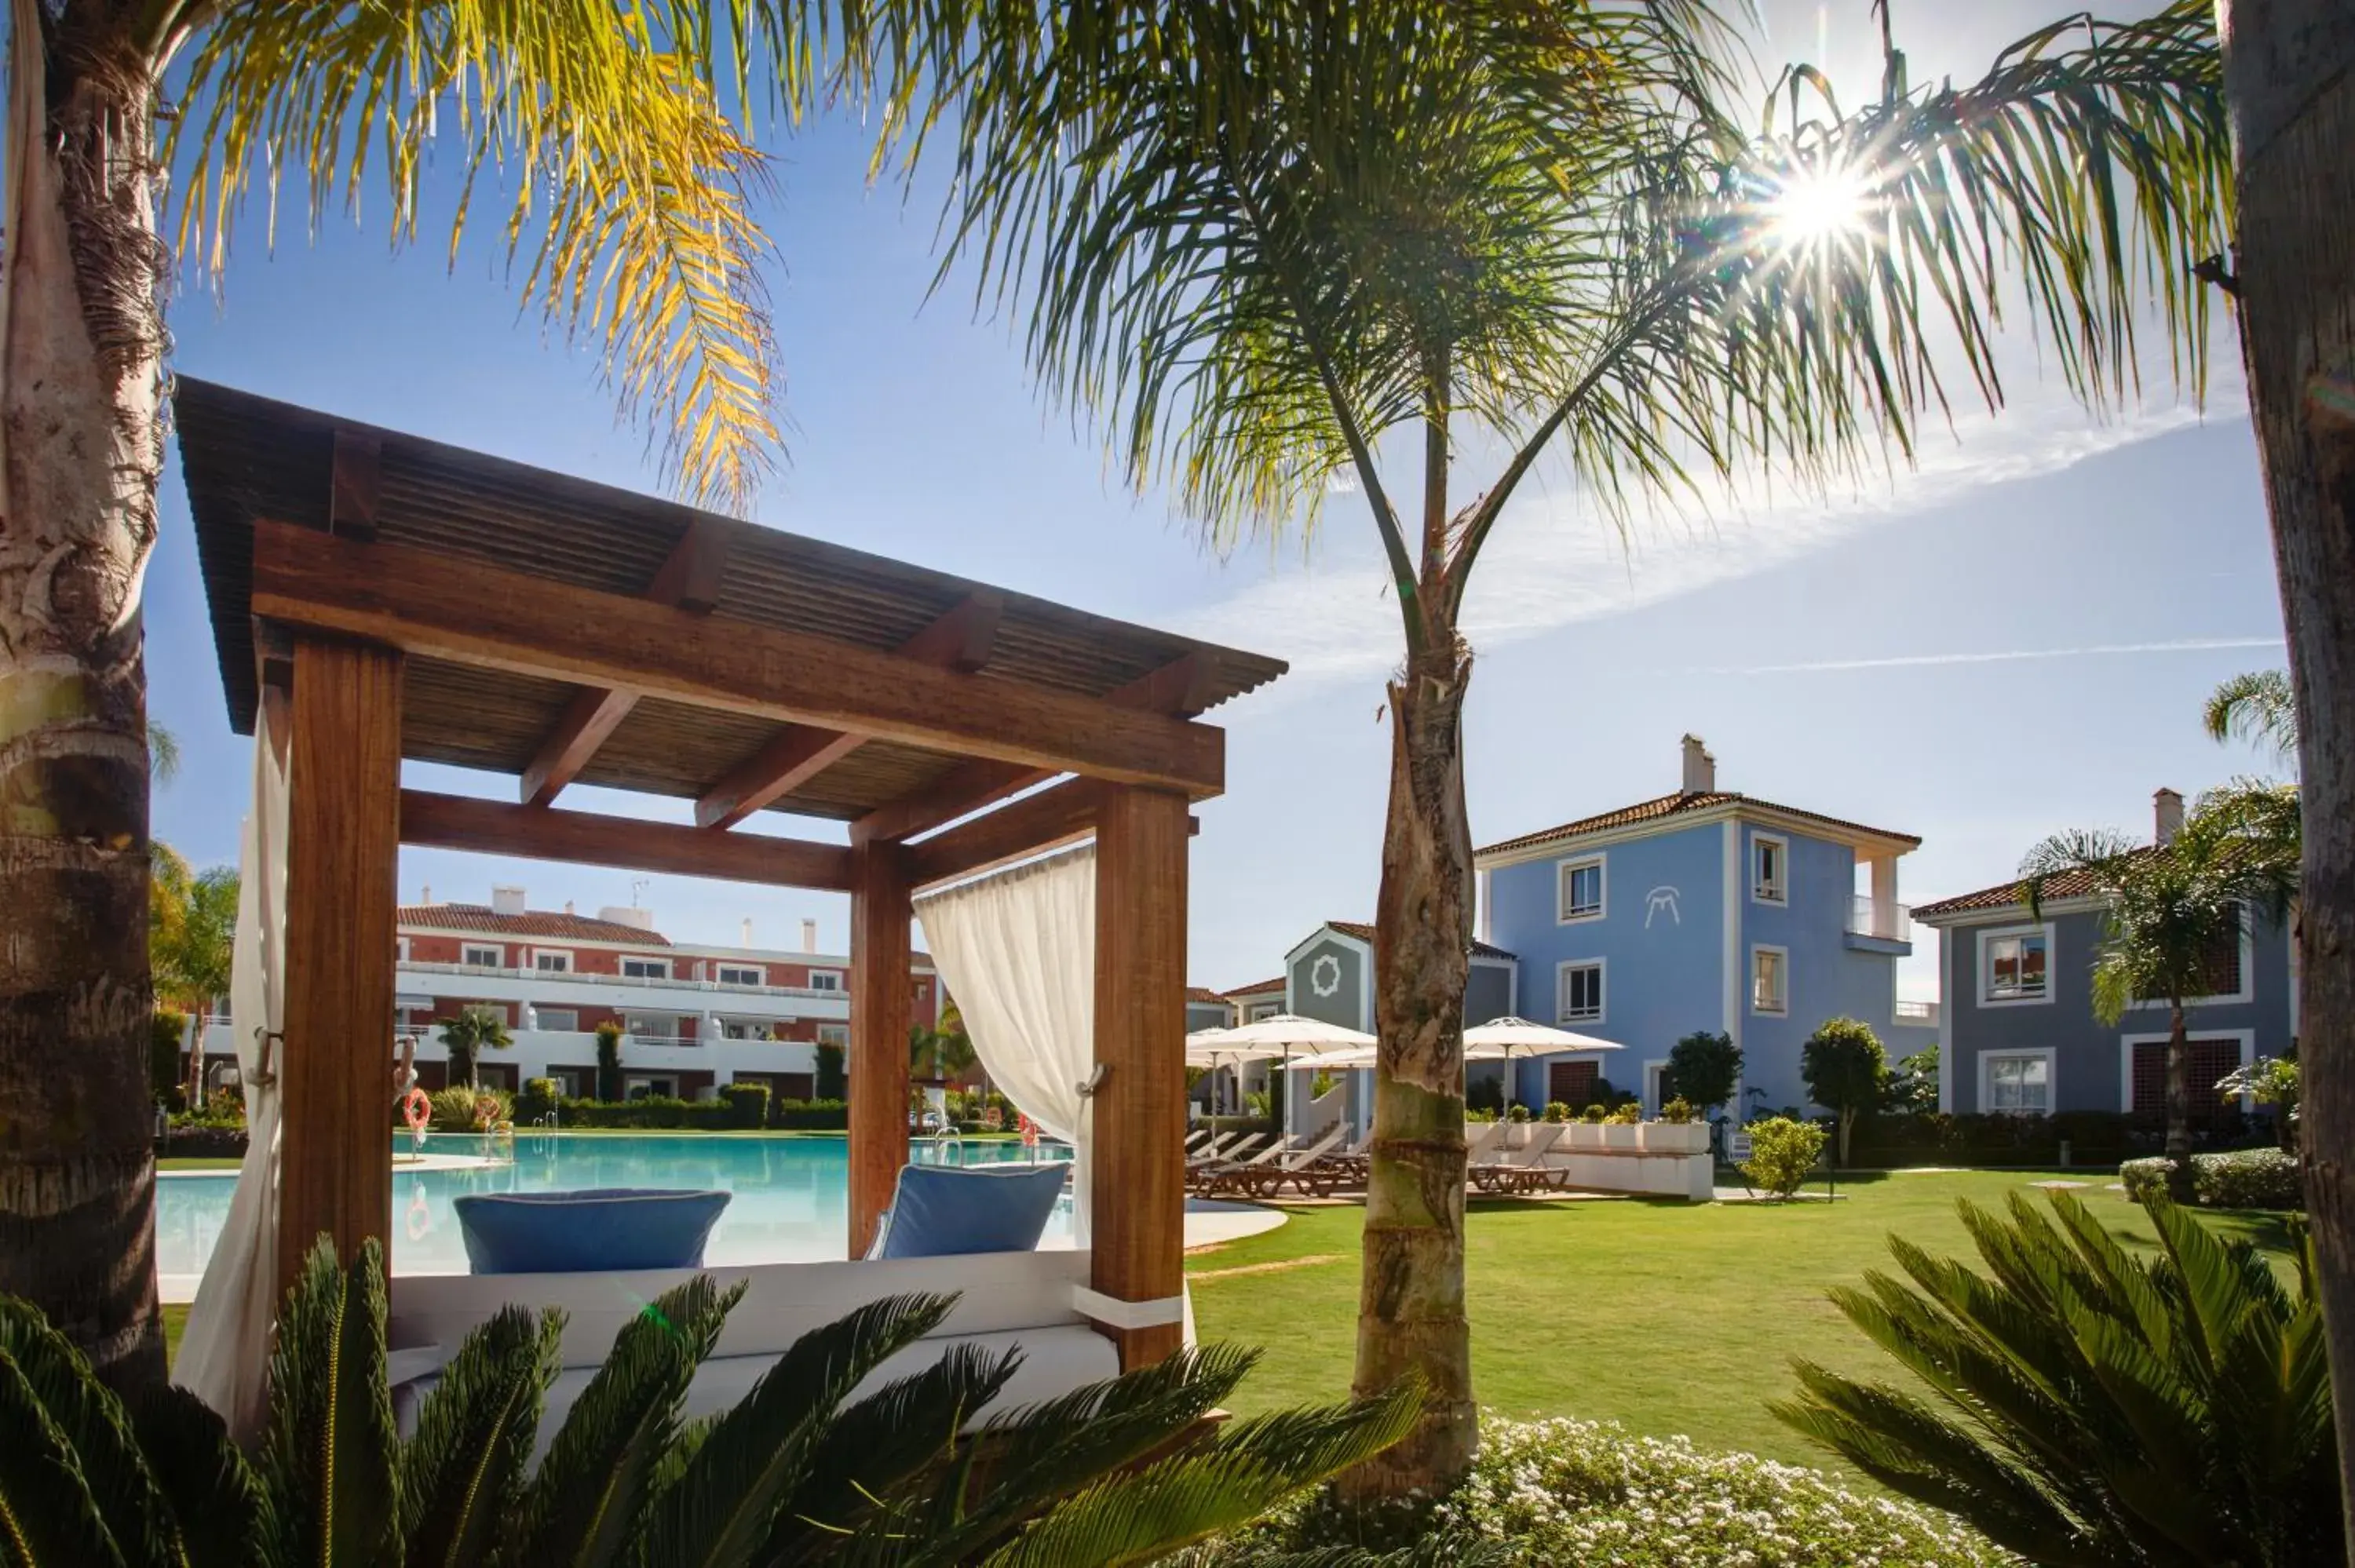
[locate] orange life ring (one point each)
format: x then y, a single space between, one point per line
1029 1133
416 1109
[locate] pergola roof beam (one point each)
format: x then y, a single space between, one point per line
960 640
403 596
591 838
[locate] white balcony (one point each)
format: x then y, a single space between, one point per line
653 983
1921 1014
1880 920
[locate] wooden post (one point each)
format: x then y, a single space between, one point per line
880 1015
335 1068
1138 1196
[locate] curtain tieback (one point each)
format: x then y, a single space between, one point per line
263 1074
1092 1081
1111 1309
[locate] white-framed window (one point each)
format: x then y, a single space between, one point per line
551 963
634 967
2228 965
1770 868
1578 989
834 1035
2018 1083
1260 1010
1582 889
825 979
743 1029
558 1020
2015 965
648 1085
1770 980
742 974
400 945
481 955
652 1026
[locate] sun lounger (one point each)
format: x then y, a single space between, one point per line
1239 1175
1518 1169
1304 1170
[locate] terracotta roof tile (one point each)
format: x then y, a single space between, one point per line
1202 993
534 923
1266 985
1679 805
2006 894
1365 933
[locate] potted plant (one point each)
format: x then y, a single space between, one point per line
1585 1132
1622 1127
1517 1133
1556 1111
1678 1131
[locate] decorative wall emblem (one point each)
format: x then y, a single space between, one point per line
1656 900
1325 975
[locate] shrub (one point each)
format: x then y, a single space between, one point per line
456 1108
748 1104
1626 1113
832 1081
2248 1179
2141 1177
1556 1111
1677 1111
1486 1092
1782 1153
608 1060
539 1096
1562 1492
1703 1068
164 1031
1592 1114
1519 1112
1481 1114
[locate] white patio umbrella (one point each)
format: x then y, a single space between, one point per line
1287 1035
1499 1040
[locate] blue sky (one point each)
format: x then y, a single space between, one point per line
2014 637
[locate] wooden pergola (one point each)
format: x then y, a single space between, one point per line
395 598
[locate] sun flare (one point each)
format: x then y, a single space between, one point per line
1818 205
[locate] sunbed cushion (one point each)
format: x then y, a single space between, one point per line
597 1228
945 1211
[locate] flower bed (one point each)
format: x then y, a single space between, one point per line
1563 1491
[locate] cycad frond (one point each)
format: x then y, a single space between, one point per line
1142 1517
206 1484
329 1456
47 1517
631 186
584 1505
751 1458
92 1422
475 1435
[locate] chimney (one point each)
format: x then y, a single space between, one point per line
627 915
425 893
1701 767
507 900
809 935
2165 815
568 906
747 938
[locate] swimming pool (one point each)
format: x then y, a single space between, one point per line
790 1204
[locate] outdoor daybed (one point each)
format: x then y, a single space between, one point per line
1009 1300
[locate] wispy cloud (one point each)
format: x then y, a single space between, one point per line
2005 656
1554 562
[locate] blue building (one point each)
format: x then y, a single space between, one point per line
1700 910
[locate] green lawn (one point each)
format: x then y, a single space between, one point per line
197 1162
1667 1318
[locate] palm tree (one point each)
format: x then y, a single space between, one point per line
939 1053
2170 909
1298 248
475 1031
620 132
804 1471
2257 707
192 929
2081 1403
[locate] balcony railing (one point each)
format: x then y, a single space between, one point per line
1883 922
830 993
1923 1012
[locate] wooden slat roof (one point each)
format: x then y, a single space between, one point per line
246 458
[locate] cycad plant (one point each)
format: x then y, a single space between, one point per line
800 1472
2170 912
1408 252
2091 1407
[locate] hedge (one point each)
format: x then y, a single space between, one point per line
2095 1138
732 1112
2241 1179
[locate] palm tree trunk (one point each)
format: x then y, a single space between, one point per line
1411 1319
80 448
2178 1148
2289 78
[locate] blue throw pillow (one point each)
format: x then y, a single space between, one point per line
942 1211
586 1232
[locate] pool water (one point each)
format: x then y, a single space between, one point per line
791 1202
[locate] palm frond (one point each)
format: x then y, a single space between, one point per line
461 1471
2259 707
584 1505
631 189
329 1458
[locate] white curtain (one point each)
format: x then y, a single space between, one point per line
1018 951
225 1352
